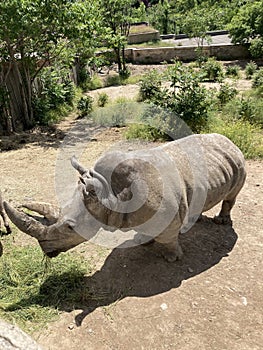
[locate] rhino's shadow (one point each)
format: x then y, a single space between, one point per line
140 272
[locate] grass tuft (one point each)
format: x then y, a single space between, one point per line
34 289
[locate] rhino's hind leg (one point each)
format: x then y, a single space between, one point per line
224 218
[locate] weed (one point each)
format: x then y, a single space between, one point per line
103 99
212 70
233 71
250 69
85 106
257 79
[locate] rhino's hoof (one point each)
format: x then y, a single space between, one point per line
172 256
222 220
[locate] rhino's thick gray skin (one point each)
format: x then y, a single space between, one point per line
157 192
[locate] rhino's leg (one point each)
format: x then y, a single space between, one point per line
224 216
169 246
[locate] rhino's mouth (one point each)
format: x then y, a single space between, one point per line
53 254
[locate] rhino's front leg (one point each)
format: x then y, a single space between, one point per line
169 246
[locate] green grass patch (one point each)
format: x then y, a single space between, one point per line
248 137
141 29
34 289
145 132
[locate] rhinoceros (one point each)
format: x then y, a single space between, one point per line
4 216
157 192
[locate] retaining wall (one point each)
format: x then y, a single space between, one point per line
184 53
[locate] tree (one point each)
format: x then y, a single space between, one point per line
246 27
117 18
33 34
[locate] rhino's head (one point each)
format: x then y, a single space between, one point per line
58 230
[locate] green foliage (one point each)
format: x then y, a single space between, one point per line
117 18
246 136
212 70
256 47
85 106
55 88
32 290
145 132
250 69
246 26
233 71
150 86
94 83
35 34
103 99
248 108
226 93
257 79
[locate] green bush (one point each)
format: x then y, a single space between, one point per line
212 70
145 132
250 69
256 47
226 93
246 136
54 89
103 99
150 86
257 79
233 71
248 108
85 106
93 83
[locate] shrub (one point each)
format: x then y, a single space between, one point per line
145 132
246 136
256 47
257 79
233 71
211 70
103 99
150 86
85 106
226 93
250 69
248 108
94 83
54 89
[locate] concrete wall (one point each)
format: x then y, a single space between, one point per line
143 37
184 53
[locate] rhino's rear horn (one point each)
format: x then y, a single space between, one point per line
25 223
75 163
50 211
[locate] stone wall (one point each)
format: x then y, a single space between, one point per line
184 53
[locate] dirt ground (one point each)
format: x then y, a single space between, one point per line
211 299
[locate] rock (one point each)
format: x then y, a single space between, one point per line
13 338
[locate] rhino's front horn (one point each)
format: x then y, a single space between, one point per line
50 211
25 223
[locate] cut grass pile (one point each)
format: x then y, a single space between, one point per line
34 289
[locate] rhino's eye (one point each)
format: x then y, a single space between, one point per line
70 225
